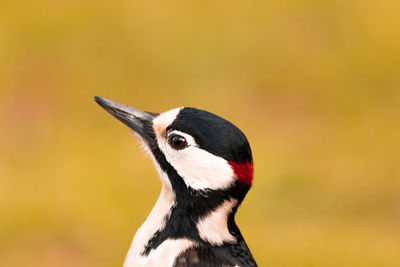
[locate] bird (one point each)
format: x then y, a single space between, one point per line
206 168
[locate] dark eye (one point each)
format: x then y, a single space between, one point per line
177 142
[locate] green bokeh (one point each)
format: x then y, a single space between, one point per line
315 85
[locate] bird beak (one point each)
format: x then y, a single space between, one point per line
137 120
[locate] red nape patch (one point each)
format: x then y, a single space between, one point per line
244 171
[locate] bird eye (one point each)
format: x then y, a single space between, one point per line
177 142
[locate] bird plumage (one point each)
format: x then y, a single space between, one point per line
206 168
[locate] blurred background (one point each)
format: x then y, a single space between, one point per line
313 84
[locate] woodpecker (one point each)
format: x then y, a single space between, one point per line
205 165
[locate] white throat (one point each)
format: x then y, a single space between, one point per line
154 222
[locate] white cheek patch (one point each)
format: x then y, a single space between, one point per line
199 168
213 228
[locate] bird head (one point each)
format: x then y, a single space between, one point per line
194 151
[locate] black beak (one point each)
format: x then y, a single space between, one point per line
137 120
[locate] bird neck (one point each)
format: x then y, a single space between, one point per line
199 217
155 221
182 213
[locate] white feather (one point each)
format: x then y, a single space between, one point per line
213 227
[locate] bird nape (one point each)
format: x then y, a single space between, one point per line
206 168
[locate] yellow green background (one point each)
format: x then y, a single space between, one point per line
313 84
